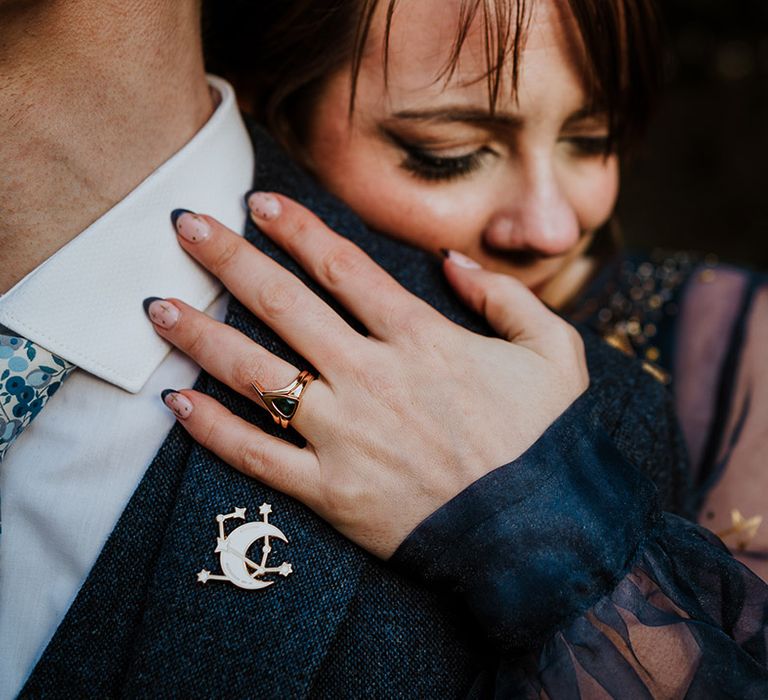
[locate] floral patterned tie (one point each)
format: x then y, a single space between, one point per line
29 376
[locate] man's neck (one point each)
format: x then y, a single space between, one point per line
94 96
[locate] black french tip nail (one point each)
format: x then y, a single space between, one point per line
165 393
176 213
445 252
147 302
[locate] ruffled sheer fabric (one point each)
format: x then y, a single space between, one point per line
687 621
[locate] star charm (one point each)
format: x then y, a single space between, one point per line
221 545
265 509
285 569
203 576
240 513
744 528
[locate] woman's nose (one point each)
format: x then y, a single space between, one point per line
540 221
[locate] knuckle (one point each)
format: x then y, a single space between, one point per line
495 296
501 286
503 292
344 497
340 262
224 256
577 341
409 321
498 286
570 350
399 320
250 369
196 340
570 337
208 437
255 459
384 386
278 297
299 228
381 384
561 337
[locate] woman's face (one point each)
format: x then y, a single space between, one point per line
426 162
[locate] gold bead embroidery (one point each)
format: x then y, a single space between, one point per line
634 308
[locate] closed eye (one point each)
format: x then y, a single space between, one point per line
434 167
591 146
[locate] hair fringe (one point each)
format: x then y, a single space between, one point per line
280 62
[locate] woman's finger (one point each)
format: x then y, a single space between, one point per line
277 297
371 294
511 309
227 354
277 463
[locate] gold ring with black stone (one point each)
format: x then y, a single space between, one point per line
283 403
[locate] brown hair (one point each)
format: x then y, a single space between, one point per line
279 53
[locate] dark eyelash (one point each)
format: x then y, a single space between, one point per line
592 145
428 166
437 168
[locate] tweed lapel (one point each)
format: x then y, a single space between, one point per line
142 624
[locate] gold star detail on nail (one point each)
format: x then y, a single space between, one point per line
744 528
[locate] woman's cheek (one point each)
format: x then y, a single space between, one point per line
438 216
427 215
593 189
367 175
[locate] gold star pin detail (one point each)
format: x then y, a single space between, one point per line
744 528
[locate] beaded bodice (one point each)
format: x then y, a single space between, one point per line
634 301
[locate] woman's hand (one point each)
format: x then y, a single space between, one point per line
398 422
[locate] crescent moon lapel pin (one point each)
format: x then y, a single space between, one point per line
232 549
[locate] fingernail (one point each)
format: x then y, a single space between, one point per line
264 206
190 226
161 312
462 260
178 403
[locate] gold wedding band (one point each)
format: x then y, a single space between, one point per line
283 403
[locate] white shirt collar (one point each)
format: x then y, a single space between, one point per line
85 302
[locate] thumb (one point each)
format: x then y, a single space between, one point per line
512 310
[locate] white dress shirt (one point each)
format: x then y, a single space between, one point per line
68 477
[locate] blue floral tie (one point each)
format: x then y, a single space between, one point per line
29 376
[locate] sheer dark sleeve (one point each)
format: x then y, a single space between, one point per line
585 587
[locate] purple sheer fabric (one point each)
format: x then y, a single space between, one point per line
708 316
721 395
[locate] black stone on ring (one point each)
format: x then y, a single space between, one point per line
283 403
